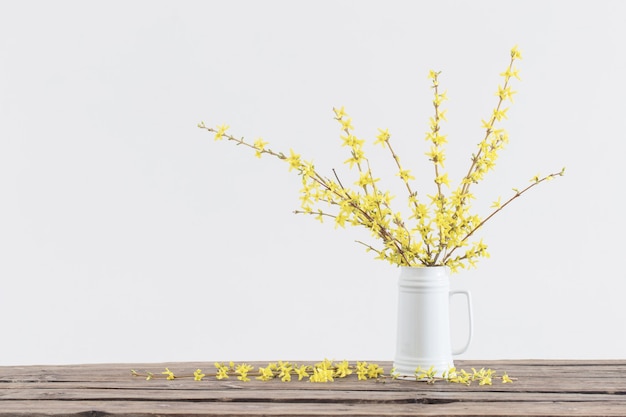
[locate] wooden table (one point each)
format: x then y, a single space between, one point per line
541 388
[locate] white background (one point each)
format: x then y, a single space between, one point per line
128 235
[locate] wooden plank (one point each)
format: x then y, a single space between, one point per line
50 374
299 396
164 408
612 384
104 372
547 388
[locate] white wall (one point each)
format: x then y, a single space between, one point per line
127 234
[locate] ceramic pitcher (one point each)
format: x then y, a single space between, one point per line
423 334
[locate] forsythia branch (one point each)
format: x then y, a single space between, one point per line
327 371
439 225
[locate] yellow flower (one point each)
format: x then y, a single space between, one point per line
374 370
222 371
500 114
511 72
438 139
302 372
436 155
266 374
221 130
506 93
293 160
352 141
361 371
284 369
357 157
339 113
242 370
365 178
346 124
487 125
322 372
516 53
198 375
383 137
170 374
441 97
405 174
422 374
443 179
496 204
343 370
506 379
433 75
484 377
259 144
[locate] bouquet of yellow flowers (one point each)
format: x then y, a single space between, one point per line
438 229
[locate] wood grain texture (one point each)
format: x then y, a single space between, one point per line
542 388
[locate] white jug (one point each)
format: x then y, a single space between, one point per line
423 338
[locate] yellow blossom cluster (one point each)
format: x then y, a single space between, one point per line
482 376
328 370
438 227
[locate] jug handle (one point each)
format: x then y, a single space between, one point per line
471 320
